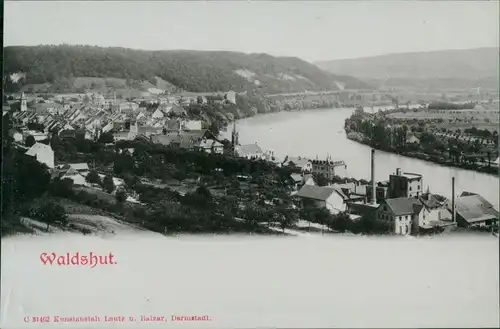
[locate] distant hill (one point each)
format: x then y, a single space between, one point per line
466 68
61 68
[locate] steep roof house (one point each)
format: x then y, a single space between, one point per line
404 214
435 213
158 114
80 167
172 126
42 153
301 163
166 139
211 146
472 210
70 173
309 180
178 110
249 151
327 197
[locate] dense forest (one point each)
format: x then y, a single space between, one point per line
197 71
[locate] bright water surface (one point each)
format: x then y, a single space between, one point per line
320 132
249 282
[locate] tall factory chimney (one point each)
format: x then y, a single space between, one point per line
453 210
374 184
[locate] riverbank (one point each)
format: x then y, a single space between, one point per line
359 138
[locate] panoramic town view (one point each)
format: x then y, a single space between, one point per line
364 150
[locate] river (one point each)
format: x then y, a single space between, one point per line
320 132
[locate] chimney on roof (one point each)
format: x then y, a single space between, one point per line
374 185
398 171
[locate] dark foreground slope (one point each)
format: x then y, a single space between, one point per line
57 68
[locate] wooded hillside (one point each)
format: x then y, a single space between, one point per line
198 71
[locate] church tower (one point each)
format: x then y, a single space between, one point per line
234 136
24 107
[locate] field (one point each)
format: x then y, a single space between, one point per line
445 115
454 119
103 85
480 125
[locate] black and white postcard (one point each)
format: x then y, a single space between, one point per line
250 164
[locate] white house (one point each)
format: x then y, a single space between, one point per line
18 137
327 197
309 180
250 151
39 136
435 213
158 114
192 125
304 164
81 168
166 107
43 154
211 146
75 176
231 97
402 213
108 127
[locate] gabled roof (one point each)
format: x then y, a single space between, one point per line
296 177
307 177
474 208
71 172
430 201
38 148
298 161
316 192
207 143
77 166
165 139
172 125
148 129
121 133
404 206
178 109
248 149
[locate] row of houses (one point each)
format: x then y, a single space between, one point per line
94 115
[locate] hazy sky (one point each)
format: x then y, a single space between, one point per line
310 30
